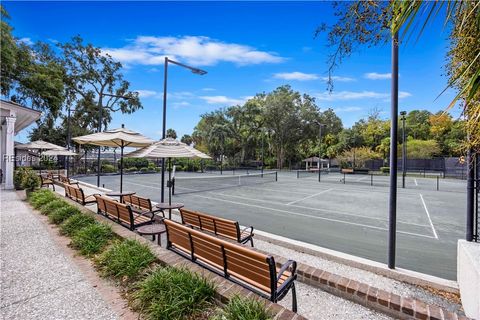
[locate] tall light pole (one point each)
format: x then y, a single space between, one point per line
404 148
392 210
164 120
100 112
69 139
320 125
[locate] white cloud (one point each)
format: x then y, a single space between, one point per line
377 76
195 50
177 105
26 41
208 89
347 109
339 79
146 93
299 76
223 100
353 95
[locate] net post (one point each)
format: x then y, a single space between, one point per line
298 175
276 176
344 178
371 179
437 183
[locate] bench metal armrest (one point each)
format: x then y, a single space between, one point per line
285 266
250 233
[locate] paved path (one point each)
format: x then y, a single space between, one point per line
37 280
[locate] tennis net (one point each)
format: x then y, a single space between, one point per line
183 185
310 173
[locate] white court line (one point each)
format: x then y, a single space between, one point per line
310 216
328 211
428 215
416 183
310 196
296 206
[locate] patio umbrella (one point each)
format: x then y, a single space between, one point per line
169 148
40 145
120 137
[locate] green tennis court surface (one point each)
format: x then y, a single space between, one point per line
350 216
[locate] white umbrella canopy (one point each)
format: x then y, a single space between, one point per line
39 145
120 137
59 152
168 148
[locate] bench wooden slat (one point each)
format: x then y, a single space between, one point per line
219 226
251 269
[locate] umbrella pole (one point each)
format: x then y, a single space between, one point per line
121 168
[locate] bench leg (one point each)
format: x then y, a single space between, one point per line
294 298
251 242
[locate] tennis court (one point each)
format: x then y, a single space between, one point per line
350 216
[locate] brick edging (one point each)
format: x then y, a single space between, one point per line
224 289
372 297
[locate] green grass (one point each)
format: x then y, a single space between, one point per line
52 205
76 223
38 199
173 294
59 215
239 308
92 239
124 259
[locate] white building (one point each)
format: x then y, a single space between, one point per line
14 118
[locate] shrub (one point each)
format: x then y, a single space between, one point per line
92 239
131 169
30 180
243 309
40 197
135 162
158 169
52 205
108 168
144 170
59 215
125 259
171 293
385 169
18 177
76 223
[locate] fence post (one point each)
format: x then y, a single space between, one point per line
437 182
371 179
470 195
344 178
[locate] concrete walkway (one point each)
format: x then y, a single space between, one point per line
37 280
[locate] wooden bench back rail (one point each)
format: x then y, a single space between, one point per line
76 194
64 179
120 212
244 266
222 227
45 180
139 202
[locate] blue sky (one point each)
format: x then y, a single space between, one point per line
246 47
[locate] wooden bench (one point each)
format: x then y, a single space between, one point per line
46 181
65 180
221 227
76 194
121 213
141 205
347 170
244 266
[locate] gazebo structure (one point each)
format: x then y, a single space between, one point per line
14 118
313 163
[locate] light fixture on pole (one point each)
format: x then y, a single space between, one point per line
404 148
164 120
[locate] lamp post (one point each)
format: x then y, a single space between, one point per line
100 111
69 139
263 152
164 120
392 210
404 149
